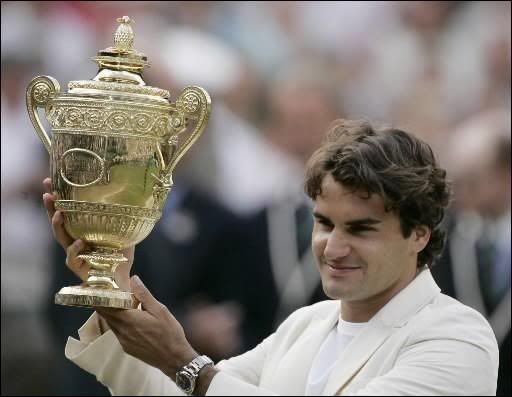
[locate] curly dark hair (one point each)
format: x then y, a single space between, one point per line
399 167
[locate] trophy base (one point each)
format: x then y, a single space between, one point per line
91 297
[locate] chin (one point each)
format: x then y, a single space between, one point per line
335 292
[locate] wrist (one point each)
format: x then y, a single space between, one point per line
194 378
173 366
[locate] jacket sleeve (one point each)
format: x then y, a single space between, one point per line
103 356
240 376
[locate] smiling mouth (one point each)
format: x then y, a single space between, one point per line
343 267
341 270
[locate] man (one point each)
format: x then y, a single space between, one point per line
379 199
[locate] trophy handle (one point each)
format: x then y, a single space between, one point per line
40 91
192 103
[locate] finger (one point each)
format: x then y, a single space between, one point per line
72 252
49 204
60 233
47 183
149 303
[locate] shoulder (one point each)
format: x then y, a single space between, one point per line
451 346
447 319
445 312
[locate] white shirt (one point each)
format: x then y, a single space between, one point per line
330 352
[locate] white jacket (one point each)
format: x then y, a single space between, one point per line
421 343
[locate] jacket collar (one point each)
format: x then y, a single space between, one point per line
409 301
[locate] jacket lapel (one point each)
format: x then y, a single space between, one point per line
292 373
394 314
357 354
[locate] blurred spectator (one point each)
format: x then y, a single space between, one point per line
300 102
475 267
427 72
230 145
497 65
24 271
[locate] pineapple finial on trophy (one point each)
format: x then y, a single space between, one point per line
123 38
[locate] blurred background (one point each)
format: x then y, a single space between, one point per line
230 256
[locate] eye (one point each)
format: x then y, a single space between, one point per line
360 229
325 224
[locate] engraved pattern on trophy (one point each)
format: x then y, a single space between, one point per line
115 143
109 224
82 118
40 92
83 164
193 103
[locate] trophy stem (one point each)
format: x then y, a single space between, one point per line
103 263
100 288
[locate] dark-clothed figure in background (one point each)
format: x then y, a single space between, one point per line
475 267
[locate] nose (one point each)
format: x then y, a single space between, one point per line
337 247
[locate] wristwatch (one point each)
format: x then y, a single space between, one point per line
186 376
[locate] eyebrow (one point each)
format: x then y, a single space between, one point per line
352 223
363 222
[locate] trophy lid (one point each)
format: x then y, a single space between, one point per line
122 56
120 67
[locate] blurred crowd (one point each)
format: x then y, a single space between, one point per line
230 256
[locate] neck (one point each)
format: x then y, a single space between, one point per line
361 311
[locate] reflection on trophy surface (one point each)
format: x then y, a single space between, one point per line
115 142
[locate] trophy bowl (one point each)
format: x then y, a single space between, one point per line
115 142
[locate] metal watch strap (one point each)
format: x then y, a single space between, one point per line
199 362
193 368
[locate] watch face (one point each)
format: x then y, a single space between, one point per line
183 381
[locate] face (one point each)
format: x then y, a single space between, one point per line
361 253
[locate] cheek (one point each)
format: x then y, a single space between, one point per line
391 257
369 249
318 242
376 254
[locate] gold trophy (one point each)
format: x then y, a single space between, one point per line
115 143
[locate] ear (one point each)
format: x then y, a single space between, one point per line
420 237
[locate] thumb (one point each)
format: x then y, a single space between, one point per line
149 303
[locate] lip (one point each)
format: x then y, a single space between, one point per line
341 271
